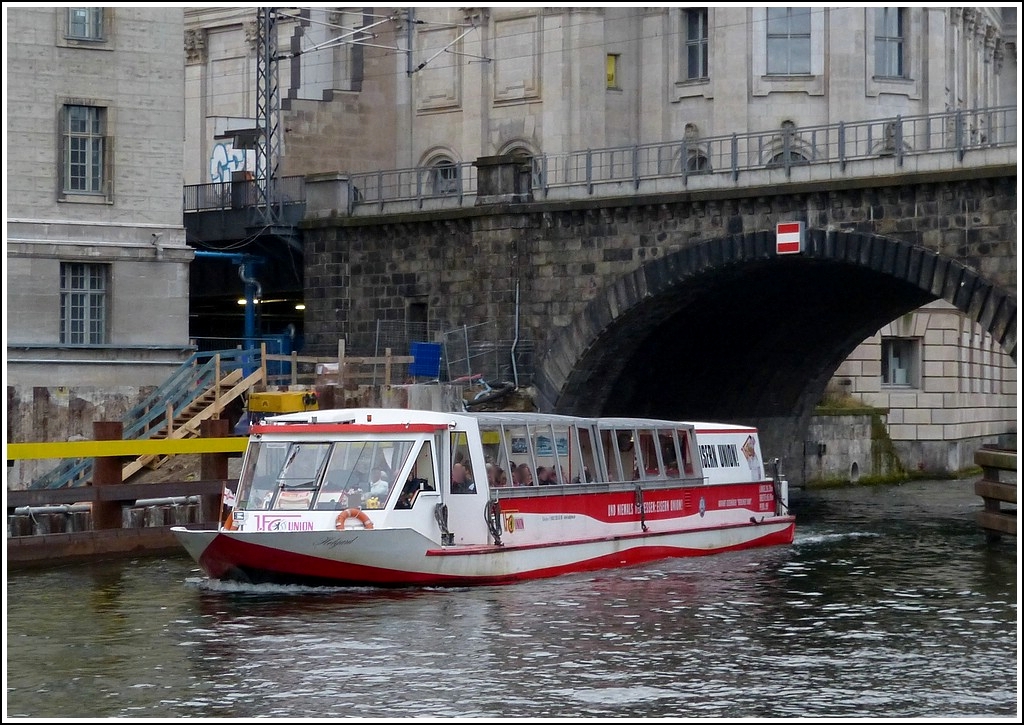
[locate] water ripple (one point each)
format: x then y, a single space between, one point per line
886 605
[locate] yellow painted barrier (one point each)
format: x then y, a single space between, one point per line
125 448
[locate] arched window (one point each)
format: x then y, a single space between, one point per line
778 160
444 177
789 142
697 163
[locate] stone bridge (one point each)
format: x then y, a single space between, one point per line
676 304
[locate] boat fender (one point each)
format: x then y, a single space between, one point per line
345 515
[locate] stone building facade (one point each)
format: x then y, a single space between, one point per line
97 266
384 88
947 386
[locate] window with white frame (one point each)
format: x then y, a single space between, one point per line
788 39
889 42
83 303
85 147
695 21
900 361
85 23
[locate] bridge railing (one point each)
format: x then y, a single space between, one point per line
452 186
239 194
839 143
446 186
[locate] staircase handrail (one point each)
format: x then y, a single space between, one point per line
181 389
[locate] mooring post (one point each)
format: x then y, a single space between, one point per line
213 466
106 471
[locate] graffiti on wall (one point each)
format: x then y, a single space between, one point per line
224 160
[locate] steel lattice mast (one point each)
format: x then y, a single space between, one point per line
268 117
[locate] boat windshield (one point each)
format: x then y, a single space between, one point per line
303 475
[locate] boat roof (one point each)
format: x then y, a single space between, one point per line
710 427
486 418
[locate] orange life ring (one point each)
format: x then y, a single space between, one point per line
358 513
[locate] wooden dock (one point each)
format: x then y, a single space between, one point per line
997 487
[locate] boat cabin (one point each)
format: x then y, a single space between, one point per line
384 465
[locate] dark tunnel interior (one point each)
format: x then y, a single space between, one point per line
752 340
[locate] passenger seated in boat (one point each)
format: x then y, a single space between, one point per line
523 475
544 476
410 490
497 477
381 486
461 481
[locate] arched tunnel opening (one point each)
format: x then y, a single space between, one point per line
755 340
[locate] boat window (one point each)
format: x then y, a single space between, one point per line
648 462
421 478
520 455
670 452
256 484
463 477
618 447
389 459
496 456
302 464
297 478
565 459
346 478
749 449
590 465
566 455
686 450
544 452
362 474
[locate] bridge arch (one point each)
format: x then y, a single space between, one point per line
729 330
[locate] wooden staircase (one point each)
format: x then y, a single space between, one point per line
187 422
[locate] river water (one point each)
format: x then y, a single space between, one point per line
889 604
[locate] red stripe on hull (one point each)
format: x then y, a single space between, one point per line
659 504
231 559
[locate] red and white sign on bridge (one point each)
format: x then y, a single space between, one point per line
789 237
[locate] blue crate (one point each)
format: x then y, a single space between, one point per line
426 360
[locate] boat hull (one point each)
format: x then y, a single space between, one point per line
403 557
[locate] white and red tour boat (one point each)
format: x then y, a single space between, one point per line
399 497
